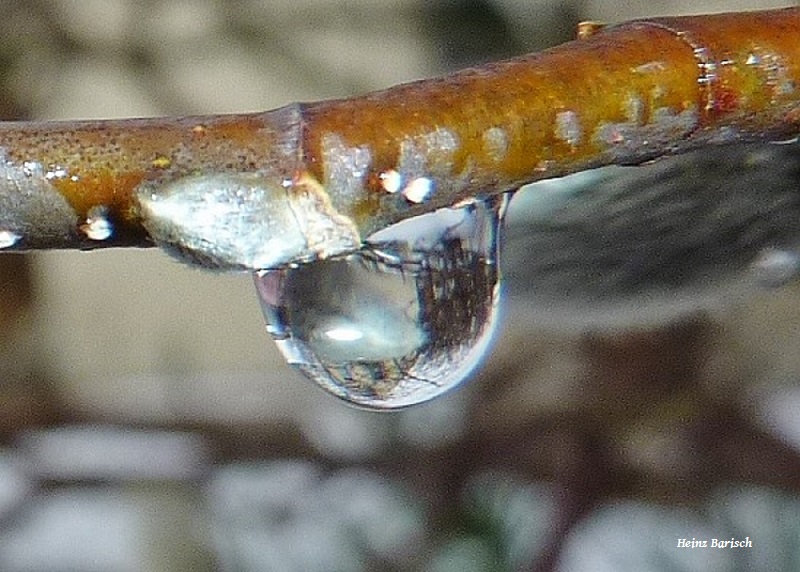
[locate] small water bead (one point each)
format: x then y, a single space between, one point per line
97 225
8 238
418 190
400 322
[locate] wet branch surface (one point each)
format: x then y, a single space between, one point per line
621 95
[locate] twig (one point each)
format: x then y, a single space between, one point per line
312 180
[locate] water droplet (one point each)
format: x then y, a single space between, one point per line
97 226
392 181
8 238
418 189
400 322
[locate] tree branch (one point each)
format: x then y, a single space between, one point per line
307 181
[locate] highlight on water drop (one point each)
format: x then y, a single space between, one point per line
8 238
403 320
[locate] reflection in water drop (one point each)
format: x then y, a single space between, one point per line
401 321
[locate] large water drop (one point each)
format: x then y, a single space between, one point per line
403 320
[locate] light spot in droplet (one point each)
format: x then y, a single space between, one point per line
391 181
418 190
568 128
8 238
97 226
495 143
753 60
344 334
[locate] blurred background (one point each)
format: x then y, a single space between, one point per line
147 421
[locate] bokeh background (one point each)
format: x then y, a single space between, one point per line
147 422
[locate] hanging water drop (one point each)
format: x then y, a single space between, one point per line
401 321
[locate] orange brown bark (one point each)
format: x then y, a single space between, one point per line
623 94
631 92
